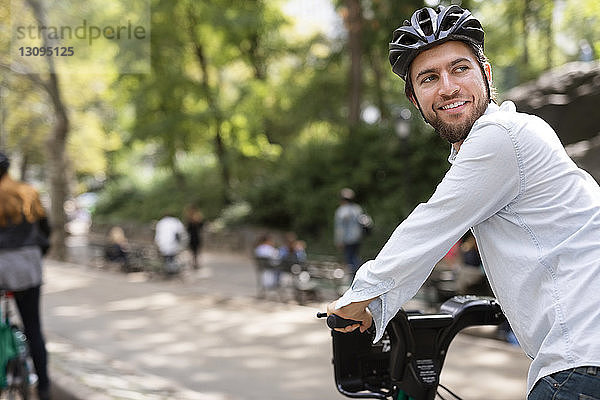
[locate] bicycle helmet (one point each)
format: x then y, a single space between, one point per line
4 163
428 28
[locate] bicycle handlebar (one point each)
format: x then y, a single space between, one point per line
410 356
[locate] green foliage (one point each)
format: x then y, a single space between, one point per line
526 38
126 199
580 26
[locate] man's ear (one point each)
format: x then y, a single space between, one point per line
412 99
487 68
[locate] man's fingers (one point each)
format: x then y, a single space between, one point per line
348 328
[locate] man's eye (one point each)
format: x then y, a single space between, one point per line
461 68
428 78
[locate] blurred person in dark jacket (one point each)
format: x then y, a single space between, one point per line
194 224
24 239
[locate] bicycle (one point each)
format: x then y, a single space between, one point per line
16 372
406 363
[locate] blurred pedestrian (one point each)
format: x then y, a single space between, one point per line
267 259
348 232
24 239
266 248
292 251
194 220
117 248
171 239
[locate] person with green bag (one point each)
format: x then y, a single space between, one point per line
24 238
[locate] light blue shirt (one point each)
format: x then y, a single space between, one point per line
536 218
347 230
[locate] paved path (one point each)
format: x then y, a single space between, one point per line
117 336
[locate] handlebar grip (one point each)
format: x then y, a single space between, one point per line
335 321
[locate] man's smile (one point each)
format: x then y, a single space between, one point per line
453 105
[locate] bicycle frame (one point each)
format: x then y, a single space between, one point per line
407 362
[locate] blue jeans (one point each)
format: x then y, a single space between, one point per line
351 256
581 383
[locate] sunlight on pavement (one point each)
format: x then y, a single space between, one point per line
56 282
239 352
483 368
204 376
80 311
154 301
132 323
157 338
116 378
260 363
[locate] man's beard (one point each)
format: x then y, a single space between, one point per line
455 132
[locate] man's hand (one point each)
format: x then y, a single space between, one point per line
355 311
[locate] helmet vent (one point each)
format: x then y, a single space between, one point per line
474 30
425 22
407 40
449 22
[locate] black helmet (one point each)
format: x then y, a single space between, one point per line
428 28
4 163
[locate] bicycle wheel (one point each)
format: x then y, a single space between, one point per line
17 379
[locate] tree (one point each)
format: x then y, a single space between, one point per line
353 20
56 142
37 97
203 77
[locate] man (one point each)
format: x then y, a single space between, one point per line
535 215
348 231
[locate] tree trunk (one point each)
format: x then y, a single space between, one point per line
221 151
57 167
354 25
220 148
549 36
57 159
375 59
525 21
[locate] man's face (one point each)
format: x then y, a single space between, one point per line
450 88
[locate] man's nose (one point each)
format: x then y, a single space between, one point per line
448 86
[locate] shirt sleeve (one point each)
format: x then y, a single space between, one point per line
483 179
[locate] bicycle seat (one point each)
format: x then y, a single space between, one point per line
410 356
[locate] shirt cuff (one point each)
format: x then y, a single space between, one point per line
378 306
